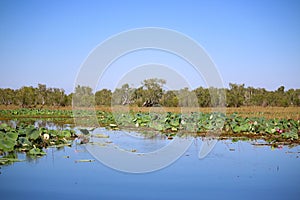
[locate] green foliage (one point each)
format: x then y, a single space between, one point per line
201 122
9 159
36 152
33 112
153 89
169 99
149 94
236 95
103 97
30 139
33 97
83 97
8 138
290 135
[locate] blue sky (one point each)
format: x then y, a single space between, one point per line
251 42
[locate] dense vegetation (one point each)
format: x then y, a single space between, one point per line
149 94
25 130
30 139
166 122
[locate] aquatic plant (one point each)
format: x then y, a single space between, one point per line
31 139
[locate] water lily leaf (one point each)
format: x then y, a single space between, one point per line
12 135
290 135
7 145
32 132
6 161
66 133
24 142
174 123
4 127
52 133
36 152
100 135
8 141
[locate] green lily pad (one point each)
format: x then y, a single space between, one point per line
8 141
24 142
32 132
6 161
36 152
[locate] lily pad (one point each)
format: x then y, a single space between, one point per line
99 135
36 152
32 132
6 161
8 141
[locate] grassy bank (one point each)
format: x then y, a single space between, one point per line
251 111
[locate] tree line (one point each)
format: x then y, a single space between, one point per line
151 93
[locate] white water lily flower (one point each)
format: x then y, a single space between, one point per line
46 136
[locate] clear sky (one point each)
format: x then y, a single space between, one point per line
251 42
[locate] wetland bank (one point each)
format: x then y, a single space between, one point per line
28 130
43 151
234 169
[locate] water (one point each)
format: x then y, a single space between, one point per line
237 170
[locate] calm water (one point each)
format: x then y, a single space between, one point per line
231 171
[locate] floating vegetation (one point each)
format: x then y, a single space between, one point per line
9 159
84 160
235 125
30 139
99 135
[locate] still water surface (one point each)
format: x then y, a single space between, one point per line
232 170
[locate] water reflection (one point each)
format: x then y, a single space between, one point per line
50 123
233 170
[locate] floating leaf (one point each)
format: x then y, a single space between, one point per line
6 160
8 141
84 160
36 152
24 142
32 132
99 135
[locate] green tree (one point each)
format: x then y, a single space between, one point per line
281 98
169 99
103 97
41 94
187 98
138 96
83 96
236 95
7 96
153 91
26 96
123 95
249 92
203 96
259 97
